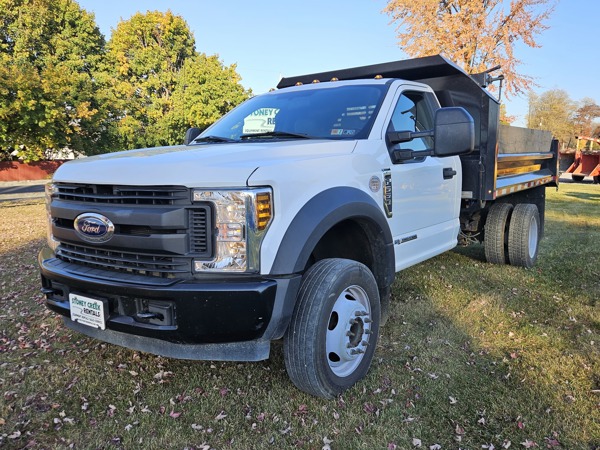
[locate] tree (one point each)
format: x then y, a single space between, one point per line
49 53
476 34
505 119
585 115
206 91
161 85
554 111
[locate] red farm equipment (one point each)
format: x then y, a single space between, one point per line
586 162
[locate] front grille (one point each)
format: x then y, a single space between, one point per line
123 195
130 262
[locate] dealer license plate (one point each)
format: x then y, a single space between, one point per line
87 311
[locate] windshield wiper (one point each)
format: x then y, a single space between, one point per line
275 134
212 138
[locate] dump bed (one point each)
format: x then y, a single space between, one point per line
505 159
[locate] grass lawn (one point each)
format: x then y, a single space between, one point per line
474 356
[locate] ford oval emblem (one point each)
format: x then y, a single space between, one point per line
94 228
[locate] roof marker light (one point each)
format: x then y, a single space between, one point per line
316 81
378 77
335 79
299 83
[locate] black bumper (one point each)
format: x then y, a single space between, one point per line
224 318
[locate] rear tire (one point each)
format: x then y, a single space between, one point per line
334 329
524 235
496 233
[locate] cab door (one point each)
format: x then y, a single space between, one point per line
425 191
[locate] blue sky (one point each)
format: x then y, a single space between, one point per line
268 39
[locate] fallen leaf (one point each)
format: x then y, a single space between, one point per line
174 414
528 444
416 442
15 435
435 447
506 444
221 416
453 401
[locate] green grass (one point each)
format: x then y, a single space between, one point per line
473 355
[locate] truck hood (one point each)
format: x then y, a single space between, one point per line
214 165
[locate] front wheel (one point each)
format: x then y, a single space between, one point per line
334 330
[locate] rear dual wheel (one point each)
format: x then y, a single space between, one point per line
512 234
524 235
334 330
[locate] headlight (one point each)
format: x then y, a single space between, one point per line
242 217
50 193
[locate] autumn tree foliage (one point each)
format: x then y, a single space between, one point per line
554 110
585 117
476 34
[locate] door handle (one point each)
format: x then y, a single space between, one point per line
449 173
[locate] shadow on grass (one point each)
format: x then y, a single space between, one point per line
585 196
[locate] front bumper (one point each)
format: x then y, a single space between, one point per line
221 318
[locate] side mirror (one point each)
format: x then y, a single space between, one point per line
191 134
454 132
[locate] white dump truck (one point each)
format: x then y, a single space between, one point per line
289 217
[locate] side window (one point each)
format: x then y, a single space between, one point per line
413 112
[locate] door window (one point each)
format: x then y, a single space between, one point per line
413 112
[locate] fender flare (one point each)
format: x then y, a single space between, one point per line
319 215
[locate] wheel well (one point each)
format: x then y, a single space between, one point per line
345 240
359 240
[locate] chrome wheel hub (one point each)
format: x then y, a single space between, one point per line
348 331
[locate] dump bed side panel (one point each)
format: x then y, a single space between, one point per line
526 158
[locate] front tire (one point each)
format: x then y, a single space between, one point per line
334 329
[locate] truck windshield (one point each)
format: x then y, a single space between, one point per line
341 112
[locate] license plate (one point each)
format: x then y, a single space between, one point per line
88 311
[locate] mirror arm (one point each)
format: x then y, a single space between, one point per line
398 137
405 155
